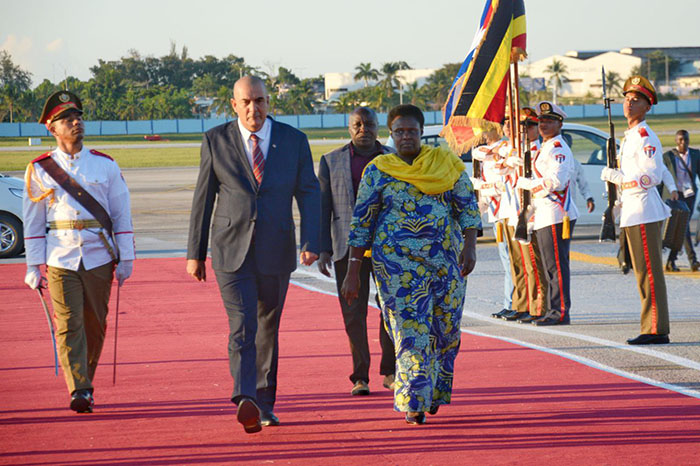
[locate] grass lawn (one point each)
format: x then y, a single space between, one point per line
665 127
134 158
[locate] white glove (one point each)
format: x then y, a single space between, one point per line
33 278
612 175
124 269
514 161
525 183
476 183
479 153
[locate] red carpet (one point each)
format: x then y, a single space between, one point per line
511 405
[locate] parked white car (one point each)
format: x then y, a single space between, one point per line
587 145
11 231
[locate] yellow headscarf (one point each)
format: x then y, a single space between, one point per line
434 171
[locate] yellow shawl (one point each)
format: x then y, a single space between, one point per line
434 171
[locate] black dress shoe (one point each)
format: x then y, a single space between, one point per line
648 339
695 266
433 410
548 321
501 313
527 319
515 316
269 419
81 401
506 314
249 416
415 418
671 267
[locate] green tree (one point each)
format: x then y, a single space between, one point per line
613 81
438 85
345 103
558 75
653 66
365 72
391 79
205 86
222 102
14 82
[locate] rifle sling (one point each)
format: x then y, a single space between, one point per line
77 192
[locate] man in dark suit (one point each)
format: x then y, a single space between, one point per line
339 174
250 169
684 164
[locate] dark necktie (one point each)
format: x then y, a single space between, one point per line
258 159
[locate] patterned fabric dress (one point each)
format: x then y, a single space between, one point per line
415 241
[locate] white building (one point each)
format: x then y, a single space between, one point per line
338 84
583 70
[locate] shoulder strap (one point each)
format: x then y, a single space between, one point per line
685 165
77 192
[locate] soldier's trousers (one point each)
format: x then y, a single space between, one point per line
80 302
529 278
555 259
644 245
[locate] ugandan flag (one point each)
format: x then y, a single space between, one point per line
476 101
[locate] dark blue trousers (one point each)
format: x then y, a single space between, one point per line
253 303
555 261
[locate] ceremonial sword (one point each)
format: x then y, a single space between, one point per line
116 331
51 330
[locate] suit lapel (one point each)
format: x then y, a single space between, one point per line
272 152
240 154
347 171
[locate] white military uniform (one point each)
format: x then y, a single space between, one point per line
99 175
642 212
62 234
553 168
642 167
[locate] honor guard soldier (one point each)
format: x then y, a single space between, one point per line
555 212
640 170
77 222
535 277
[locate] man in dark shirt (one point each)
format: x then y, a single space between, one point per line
339 174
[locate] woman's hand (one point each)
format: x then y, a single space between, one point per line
467 257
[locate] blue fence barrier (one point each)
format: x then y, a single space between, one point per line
331 120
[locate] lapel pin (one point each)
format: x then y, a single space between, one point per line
274 146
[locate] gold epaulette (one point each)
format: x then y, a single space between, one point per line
44 191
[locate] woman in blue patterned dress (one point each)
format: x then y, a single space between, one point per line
417 212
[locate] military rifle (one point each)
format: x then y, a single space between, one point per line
607 231
521 233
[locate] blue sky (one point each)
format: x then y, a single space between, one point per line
50 38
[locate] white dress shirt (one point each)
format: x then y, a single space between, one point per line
263 139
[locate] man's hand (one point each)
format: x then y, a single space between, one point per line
324 263
307 257
351 287
123 271
197 269
674 195
590 203
467 258
33 278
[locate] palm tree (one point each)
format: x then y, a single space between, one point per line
365 72
222 102
391 79
344 104
557 71
614 82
